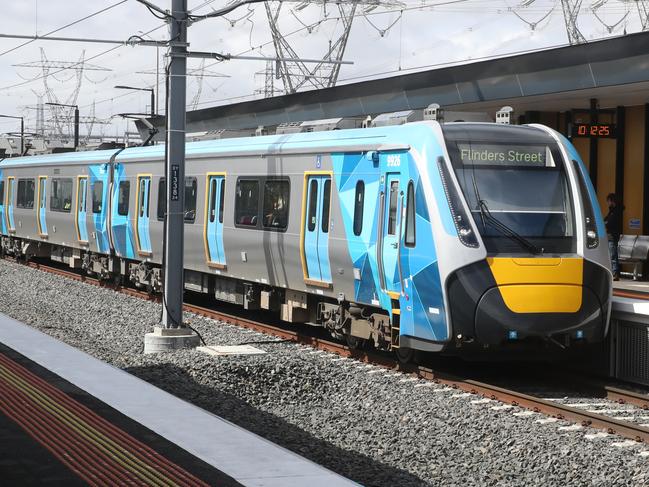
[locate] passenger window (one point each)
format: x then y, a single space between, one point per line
392 215
190 199
25 193
410 216
326 197
41 192
61 197
162 199
144 197
212 200
222 202
123 196
313 205
276 198
358 207
97 197
2 192
81 197
247 202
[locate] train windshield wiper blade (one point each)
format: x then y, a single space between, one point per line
505 230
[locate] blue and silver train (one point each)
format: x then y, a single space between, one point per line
415 237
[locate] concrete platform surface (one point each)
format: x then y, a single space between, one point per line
242 455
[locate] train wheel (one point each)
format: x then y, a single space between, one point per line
405 355
354 342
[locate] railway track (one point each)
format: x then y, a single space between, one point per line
532 402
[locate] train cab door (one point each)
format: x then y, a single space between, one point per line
81 209
41 208
214 251
9 204
315 228
143 238
391 209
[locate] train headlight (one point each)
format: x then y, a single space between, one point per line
460 218
592 240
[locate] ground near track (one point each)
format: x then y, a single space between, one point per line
375 426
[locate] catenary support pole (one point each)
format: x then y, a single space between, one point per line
174 235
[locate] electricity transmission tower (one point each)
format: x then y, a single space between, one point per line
268 76
62 121
570 14
296 74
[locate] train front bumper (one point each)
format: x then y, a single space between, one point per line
503 300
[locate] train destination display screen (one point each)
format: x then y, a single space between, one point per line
504 155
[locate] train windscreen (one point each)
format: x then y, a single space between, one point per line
515 183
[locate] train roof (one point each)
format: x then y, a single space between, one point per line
398 137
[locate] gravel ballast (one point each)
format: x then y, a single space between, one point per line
374 426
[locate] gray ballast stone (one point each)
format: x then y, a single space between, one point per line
366 425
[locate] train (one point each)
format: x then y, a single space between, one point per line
423 237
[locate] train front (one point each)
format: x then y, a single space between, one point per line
529 206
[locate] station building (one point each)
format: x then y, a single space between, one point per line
597 94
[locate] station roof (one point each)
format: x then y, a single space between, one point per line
615 71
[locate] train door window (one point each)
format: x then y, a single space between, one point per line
410 216
2 192
97 196
313 205
359 202
25 197
326 204
213 200
123 197
42 181
394 200
162 198
246 206
143 200
222 201
276 199
61 195
191 188
81 194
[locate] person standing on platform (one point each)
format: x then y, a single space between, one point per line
613 222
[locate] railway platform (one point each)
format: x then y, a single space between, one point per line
67 418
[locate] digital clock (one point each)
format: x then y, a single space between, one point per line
606 130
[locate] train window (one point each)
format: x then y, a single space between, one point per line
162 199
61 195
359 202
41 192
81 194
25 193
123 197
313 204
97 196
394 200
276 198
2 192
410 216
212 200
222 202
190 199
143 199
326 202
246 206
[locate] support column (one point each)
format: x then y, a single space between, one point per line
645 177
592 159
620 116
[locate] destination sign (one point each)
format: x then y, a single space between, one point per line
504 155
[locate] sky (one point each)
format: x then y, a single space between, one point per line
399 36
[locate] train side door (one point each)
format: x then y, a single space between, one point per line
9 205
315 227
215 253
3 226
390 204
81 208
142 236
41 208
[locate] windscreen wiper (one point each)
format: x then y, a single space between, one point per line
487 217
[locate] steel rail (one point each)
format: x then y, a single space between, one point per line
507 396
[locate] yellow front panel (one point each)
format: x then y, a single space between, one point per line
539 284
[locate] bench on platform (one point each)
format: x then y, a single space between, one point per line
634 249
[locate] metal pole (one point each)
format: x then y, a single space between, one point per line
152 103
157 78
22 135
172 314
76 127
